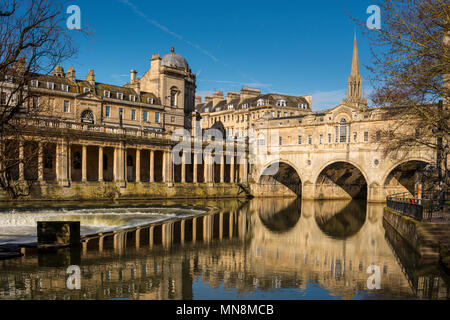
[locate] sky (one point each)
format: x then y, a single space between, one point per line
289 47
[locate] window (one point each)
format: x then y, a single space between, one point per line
329 138
281 141
336 134
242 118
50 86
65 87
172 119
279 114
366 136
133 114
230 106
132 98
86 90
281 103
320 138
355 136
35 102
157 117
145 116
310 139
343 131
107 94
206 109
285 114
150 100
299 140
119 95
378 135
3 98
260 102
35 83
172 98
77 160
66 106
108 111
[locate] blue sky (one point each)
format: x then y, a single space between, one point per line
291 47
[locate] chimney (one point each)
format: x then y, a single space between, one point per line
133 77
249 93
208 98
309 99
232 95
20 65
71 74
91 77
198 100
217 97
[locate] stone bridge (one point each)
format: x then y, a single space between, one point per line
337 171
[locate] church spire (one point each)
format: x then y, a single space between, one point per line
355 95
355 60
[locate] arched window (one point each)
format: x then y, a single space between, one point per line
87 116
343 131
173 96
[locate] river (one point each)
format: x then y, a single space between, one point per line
252 249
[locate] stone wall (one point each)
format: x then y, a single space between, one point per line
133 190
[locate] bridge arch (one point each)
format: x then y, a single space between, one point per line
341 179
404 175
279 178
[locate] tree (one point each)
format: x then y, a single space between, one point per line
411 77
33 41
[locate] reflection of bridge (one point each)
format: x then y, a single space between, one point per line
234 247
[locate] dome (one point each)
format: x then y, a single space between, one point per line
174 60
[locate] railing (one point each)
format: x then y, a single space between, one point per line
420 209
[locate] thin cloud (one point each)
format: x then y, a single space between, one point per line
165 29
327 99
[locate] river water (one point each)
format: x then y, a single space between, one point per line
256 249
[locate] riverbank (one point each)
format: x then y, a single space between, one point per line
430 240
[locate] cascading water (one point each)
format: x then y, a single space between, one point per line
19 226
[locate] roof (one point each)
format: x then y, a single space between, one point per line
174 60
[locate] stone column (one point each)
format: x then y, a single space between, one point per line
84 164
170 167
138 165
183 167
244 178
222 169
100 164
21 159
40 162
164 167
100 244
62 164
152 166
232 169
194 165
205 170
115 165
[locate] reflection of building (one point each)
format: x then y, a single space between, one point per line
234 248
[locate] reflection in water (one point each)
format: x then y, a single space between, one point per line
245 250
280 216
340 219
